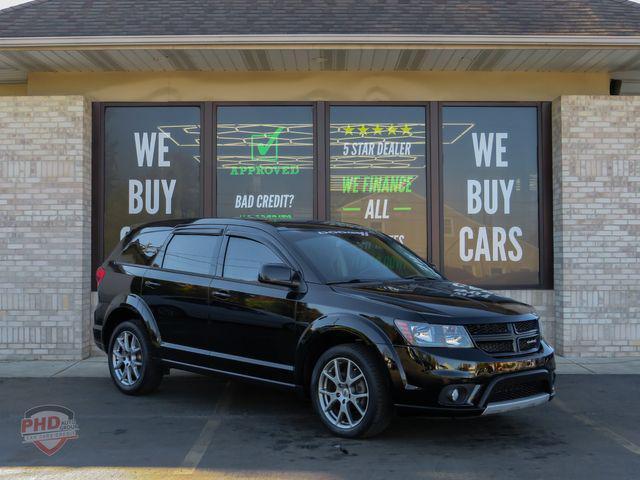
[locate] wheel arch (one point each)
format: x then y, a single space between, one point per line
126 307
333 330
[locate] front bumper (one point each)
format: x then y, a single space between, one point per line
425 376
517 404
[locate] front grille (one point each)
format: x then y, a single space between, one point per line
499 346
488 329
512 391
525 327
506 339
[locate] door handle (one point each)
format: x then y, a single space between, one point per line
221 294
151 284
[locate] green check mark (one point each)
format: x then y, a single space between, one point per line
264 148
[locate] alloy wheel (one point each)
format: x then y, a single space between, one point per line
127 358
343 393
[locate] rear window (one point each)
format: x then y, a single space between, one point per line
192 253
144 246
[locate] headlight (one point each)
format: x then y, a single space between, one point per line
421 334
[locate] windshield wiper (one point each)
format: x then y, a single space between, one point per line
418 277
380 280
353 280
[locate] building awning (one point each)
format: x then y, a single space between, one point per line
346 35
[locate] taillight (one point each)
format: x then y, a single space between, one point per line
100 273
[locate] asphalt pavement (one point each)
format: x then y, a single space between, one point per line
200 427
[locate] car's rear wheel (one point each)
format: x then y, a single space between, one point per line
132 367
350 391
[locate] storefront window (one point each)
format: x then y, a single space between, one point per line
152 167
378 170
490 192
265 162
494 226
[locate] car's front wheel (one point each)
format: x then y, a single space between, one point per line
132 367
350 391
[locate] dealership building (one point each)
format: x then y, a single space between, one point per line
498 139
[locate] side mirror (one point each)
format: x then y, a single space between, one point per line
279 274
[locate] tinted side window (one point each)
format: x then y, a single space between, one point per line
245 257
142 249
192 253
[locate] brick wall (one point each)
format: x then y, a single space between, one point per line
596 216
45 218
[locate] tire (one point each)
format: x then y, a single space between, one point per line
341 408
137 354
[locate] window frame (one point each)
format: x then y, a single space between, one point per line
98 178
321 175
545 213
326 160
213 201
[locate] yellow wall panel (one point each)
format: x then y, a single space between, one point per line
339 86
13 89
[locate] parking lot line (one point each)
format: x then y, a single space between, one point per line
199 448
600 428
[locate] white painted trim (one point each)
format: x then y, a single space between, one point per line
631 75
326 40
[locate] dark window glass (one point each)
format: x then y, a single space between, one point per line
378 170
152 167
245 258
265 159
490 190
192 253
357 256
142 249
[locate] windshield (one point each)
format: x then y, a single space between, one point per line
343 255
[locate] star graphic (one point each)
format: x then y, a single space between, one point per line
406 130
377 130
363 130
392 129
348 130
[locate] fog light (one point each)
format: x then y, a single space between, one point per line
454 395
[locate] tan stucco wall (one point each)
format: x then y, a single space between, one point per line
13 89
362 86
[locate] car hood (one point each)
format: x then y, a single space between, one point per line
441 298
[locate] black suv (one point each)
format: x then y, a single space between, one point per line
344 314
